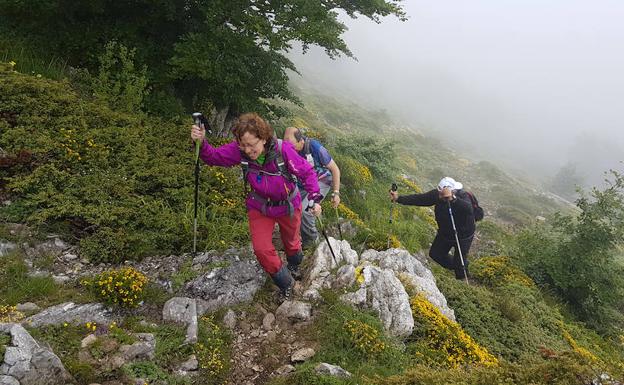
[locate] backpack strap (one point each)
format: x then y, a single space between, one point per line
306 146
281 165
282 171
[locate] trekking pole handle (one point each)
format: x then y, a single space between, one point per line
393 188
198 118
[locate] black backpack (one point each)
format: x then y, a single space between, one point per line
476 209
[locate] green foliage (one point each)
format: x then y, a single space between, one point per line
356 350
5 339
565 369
511 320
23 287
121 287
170 346
575 256
28 61
229 52
183 275
65 343
306 375
119 183
152 373
212 351
376 153
119 84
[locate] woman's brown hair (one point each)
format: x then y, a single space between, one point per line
254 124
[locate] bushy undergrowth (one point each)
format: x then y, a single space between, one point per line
575 256
510 320
121 183
351 339
442 342
560 369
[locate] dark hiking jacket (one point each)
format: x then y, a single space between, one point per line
461 207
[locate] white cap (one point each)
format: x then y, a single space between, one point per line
450 183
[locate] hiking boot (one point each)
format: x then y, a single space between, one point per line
294 262
459 274
285 282
286 294
295 272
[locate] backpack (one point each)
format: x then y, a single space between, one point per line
278 159
477 210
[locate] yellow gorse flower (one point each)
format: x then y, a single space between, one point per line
442 334
119 286
10 314
364 337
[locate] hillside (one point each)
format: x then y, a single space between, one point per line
95 198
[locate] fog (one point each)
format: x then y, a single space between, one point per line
532 84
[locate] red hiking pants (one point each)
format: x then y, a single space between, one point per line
261 230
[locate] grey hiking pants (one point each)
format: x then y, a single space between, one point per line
309 233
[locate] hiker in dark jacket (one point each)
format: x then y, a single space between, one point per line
448 192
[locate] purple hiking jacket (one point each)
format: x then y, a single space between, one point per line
272 187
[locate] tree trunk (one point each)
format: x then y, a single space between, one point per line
221 121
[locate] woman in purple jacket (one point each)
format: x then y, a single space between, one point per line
268 164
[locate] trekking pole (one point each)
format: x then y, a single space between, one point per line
338 220
461 257
326 238
393 188
198 118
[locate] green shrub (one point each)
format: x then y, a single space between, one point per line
119 83
511 321
376 153
441 341
121 287
362 350
120 183
576 256
559 369
497 271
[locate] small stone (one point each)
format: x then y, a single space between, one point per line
267 321
285 370
332 370
229 319
27 307
190 365
88 340
302 355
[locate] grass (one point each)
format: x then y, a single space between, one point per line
28 62
351 339
39 289
5 339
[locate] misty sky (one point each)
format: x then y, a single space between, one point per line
536 82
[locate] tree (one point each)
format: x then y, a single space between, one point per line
578 255
228 53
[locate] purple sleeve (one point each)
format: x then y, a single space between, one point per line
227 155
300 167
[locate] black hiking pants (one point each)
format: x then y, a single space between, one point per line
439 252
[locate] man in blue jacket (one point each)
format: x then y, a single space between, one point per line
327 172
